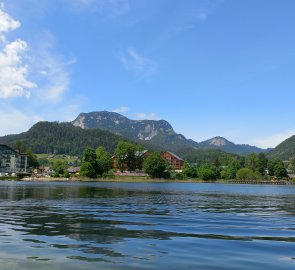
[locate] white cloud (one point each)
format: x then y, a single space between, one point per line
6 22
273 140
121 109
135 62
13 70
57 77
47 68
146 116
51 69
14 121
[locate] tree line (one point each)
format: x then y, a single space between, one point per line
254 166
128 156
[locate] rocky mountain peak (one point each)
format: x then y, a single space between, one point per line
117 123
218 141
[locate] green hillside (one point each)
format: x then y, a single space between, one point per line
63 138
284 150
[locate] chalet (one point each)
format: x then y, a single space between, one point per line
11 161
44 171
73 170
174 161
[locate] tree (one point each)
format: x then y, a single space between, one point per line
190 170
23 149
262 163
87 169
20 146
276 168
88 165
245 174
59 167
292 165
127 155
208 172
32 159
156 166
252 162
228 173
89 155
103 161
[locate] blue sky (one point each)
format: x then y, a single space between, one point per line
209 67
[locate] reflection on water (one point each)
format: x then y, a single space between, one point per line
146 225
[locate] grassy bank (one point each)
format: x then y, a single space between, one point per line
145 179
7 178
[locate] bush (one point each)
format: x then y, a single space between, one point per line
156 166
207 172
87 170
245 174
67 175
190 171
178 176
110 174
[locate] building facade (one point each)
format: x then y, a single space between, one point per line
174 161
11 161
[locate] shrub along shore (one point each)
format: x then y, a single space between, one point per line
140 179
99 165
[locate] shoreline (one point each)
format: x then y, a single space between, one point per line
150 180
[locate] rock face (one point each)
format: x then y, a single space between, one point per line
144 130
155 133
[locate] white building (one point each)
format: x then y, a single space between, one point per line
11 161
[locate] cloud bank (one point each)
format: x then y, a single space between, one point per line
13 69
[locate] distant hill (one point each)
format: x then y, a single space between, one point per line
284 150
157 134
230 147
63 138
107 128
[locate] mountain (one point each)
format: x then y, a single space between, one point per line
284 150
63 138
157 134
230 147
107 128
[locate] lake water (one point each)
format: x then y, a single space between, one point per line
146 226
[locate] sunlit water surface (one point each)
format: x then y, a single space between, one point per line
146 226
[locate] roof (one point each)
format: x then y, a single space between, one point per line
4 147
140 153
174 155
11 149
137 154
73 169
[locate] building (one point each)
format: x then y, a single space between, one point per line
73 170
174 161
11 161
